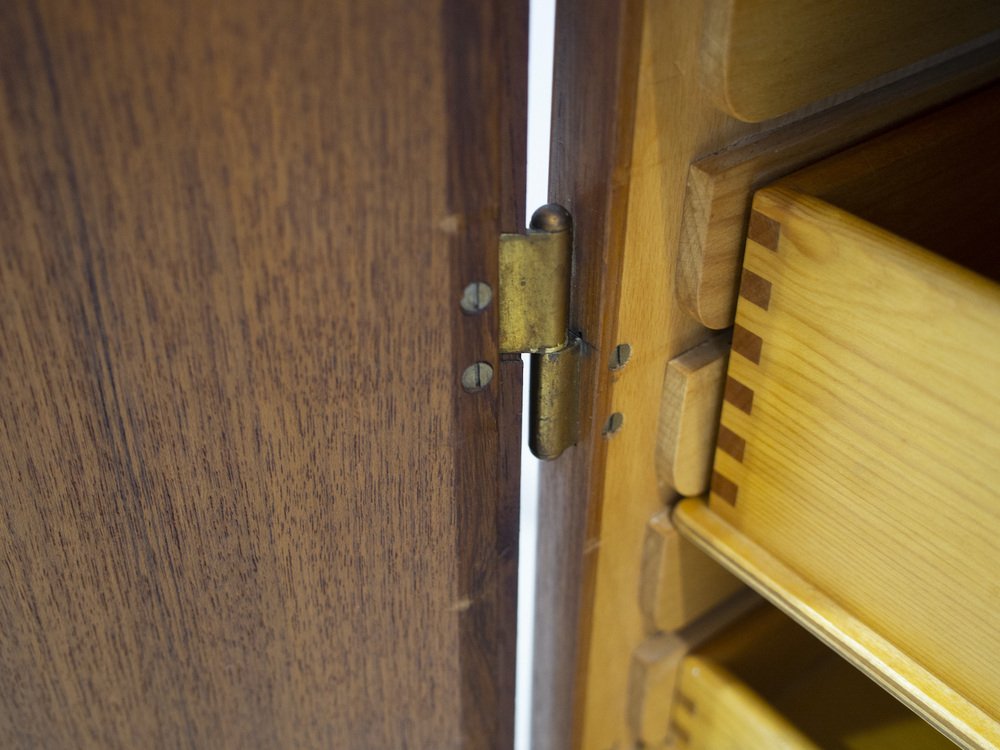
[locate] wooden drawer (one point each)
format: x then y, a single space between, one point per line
859 442
765 683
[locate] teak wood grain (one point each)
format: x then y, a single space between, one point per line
594 87
245 501
766 58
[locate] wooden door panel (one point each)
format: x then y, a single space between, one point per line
246 502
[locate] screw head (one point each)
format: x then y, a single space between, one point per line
477 376
476 297
614 423
621 355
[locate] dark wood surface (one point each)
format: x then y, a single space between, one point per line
594 87
245 501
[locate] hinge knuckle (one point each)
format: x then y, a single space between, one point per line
554 410
535 271
534 289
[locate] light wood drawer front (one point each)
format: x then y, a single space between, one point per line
861 418
868 421
765 682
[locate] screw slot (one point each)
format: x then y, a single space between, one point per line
477 376
620 356
614 423
476 297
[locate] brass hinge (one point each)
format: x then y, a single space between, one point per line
535 269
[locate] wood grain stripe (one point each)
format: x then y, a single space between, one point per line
747 344
724 488
731 443
755 288
739 395
764 230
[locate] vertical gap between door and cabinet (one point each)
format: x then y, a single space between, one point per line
540 45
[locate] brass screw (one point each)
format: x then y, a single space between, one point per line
476 297
621 355
477 376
